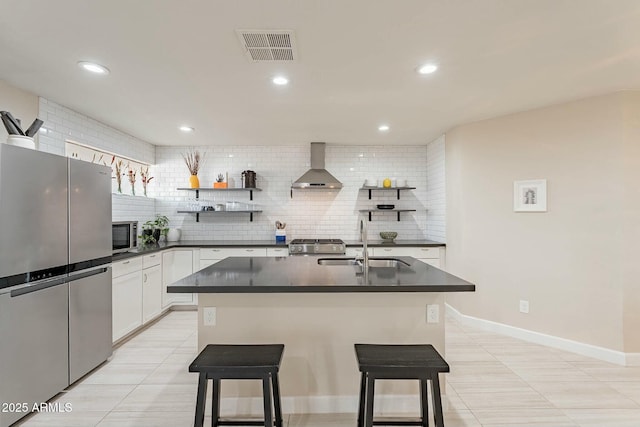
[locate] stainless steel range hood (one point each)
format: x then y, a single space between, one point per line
317 177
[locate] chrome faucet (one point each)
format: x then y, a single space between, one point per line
365 249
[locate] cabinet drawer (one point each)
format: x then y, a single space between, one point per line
356 251
277 251
127 266
151 260
426 252
220 253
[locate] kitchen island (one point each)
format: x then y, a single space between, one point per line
319 310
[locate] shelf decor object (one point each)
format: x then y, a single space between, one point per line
220 182
194 160
530 195
369 211
216 211
145 178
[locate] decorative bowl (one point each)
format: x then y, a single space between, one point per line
388 235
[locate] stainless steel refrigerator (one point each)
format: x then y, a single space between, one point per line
55 275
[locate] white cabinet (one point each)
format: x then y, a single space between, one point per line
126 297
277 251
357 251
176 264
151 287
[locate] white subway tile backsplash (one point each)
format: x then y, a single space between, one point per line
321 213
435 198
62 123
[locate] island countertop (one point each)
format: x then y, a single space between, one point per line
300 274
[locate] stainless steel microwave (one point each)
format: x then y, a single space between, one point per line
124 236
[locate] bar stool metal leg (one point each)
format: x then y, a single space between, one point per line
276 399
201 400
363 384
215 403
266 390
424 403
368 416
437 402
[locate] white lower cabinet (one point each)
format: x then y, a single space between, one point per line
151 293
357 251
176 264
278 251
126 297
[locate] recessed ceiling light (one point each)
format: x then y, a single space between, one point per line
280 80
93 67
186 129
427 68
383 128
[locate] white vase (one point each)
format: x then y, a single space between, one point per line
173 235
21 141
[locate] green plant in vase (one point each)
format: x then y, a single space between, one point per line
161 222
147 237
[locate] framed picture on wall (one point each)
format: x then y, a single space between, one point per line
530 195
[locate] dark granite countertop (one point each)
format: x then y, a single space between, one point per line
304 274
256 243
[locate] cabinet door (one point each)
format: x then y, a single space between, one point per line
151 292
277 251
176 264
357 251
127 303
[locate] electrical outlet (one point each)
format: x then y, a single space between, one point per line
524 306
433 313
209 314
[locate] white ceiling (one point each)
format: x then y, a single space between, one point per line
177 62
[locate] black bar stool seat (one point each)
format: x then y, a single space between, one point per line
239 362
419 362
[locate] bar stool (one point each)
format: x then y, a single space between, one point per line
239 362
400 362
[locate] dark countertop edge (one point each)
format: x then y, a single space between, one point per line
318 289
259 244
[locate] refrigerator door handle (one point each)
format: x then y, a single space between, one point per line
38 287
87 273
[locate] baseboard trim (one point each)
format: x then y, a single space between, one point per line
384 405
600 353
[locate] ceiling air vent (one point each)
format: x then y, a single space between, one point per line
268 45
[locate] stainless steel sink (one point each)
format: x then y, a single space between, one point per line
373 262
386 262
338 261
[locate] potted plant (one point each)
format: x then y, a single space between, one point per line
153 229
160 223
147 238
220 182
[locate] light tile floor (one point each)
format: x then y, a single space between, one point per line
495 381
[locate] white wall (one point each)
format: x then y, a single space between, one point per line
309 213
61 124
568 262
436 191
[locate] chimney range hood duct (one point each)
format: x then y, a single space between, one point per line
317 177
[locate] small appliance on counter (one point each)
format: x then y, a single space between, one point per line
124 236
